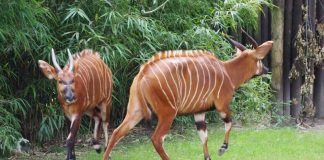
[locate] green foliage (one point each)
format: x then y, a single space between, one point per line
233 13
116 29
253 103
24 31
10 123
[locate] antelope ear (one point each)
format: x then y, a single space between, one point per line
263 49
238 51
47 70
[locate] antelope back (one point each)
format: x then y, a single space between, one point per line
93 78
185 80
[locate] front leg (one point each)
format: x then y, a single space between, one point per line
202 131
226 116
75 124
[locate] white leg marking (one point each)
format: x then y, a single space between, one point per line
96 127
105 128
72 119
163 137
228 126
69 136
222 114
203 136
199 117
96 146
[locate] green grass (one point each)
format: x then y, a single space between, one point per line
245 144
281 143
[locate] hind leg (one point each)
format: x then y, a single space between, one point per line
202 131
165 120
96 134
105 108
131 119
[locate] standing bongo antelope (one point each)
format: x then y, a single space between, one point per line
188 82
84 85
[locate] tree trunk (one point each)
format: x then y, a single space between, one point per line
319 71
287 57
295 95
277 49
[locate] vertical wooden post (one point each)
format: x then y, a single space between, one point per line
265 31
295 95
277 49
319 71
287 56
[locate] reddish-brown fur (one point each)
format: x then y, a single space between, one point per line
187 82
90 86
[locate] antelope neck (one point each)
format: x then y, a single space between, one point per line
238 70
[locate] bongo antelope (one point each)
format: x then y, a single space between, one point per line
182 82
84 85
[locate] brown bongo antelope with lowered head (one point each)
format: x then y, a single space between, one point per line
188 82
84 85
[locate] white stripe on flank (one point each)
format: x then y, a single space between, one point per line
190 84
197 83
177 89
185 86
209 80
167 82
90 79
93 78
199 99
178 74
106 80
99 75
84 71
220 87
85 81
85 87
162 87
215 82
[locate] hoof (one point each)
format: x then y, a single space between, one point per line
71 158
221 151
207 158
98 150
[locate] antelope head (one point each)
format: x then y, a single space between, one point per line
253 57
64 77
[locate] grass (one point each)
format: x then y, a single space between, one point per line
247 143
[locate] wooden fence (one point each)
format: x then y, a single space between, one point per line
281 24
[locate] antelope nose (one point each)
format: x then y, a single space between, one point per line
265 70
69 98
